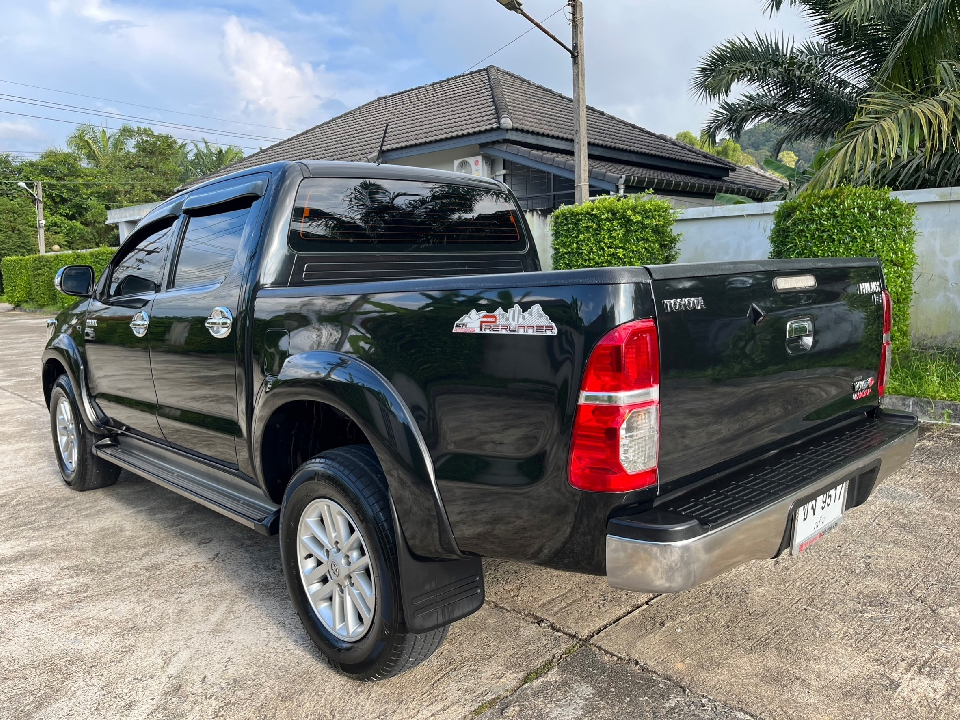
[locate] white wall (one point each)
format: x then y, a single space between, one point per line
742 232
541 226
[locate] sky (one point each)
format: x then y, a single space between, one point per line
249 73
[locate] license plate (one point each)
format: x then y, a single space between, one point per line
815 518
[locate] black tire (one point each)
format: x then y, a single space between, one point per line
352 477
87 472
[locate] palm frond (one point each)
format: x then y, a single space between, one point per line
893 126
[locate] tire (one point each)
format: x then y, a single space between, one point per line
80 468
350 480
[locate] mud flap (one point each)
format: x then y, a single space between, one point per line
437 592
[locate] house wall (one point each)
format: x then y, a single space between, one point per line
742 232
442 160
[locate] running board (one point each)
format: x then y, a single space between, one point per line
198 482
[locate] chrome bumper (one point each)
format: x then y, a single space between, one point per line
664 567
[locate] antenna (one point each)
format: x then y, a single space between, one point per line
382 141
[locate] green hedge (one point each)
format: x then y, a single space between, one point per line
854 222
29 279
615 232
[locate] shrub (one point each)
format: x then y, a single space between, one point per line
854 222
18 229
29 279
615 232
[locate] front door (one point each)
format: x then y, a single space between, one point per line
193 341
115 331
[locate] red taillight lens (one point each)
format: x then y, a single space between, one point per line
886 353
616 435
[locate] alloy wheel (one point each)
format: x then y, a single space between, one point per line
335 568
67 439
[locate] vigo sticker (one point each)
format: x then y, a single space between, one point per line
516 322
691 303
863 388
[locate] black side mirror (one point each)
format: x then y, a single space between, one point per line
75 280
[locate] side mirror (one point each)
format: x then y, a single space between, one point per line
75 280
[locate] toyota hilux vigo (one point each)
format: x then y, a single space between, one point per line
369 361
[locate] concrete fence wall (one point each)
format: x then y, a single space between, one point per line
742 232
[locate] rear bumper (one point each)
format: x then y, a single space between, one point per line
655 565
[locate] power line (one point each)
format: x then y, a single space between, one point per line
74 122
147 107
514 40
50 105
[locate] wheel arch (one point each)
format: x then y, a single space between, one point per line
62 357
348 387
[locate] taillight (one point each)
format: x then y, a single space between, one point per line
616 435
886 353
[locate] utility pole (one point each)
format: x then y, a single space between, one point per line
581 180
580 150
37 195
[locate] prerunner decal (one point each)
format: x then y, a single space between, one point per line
862 388
532 322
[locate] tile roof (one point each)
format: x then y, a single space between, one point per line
475 102
742 181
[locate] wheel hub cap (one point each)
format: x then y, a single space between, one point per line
67 440
335 569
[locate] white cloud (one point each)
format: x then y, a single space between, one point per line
18 131
267 78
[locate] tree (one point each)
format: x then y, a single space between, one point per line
727 149
99 147
209 158
877 80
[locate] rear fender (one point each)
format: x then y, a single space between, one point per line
368 399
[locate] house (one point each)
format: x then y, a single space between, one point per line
495 123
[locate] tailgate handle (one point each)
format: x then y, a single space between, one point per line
800 334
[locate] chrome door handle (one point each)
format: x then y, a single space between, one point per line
140 323
220 322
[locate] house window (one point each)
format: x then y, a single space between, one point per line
537 189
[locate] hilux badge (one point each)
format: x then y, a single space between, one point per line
514 321
863 388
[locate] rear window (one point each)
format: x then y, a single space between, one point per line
330 214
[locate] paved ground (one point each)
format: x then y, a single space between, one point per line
134 602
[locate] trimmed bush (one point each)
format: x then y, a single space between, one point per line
29 279
854 222
615 232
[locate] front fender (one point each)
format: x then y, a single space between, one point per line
368 399
64 350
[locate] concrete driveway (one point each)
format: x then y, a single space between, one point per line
134 602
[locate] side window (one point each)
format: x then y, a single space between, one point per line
140 270
209 247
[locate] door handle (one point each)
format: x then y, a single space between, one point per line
140 324
220 322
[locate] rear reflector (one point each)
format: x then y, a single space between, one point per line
886 352
616 435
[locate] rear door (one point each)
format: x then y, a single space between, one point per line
745 365
193 338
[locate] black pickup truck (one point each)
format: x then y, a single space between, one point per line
368 360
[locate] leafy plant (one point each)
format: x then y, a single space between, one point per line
877 79
932 373
615 231
854 222
29 279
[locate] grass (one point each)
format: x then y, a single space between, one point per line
932 373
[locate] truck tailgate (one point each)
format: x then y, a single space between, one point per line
733 382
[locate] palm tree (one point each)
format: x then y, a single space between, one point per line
209 158
99 147
878 82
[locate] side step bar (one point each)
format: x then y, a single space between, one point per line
184 477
